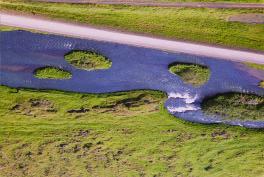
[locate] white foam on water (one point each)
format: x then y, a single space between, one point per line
182 108
188 99
186 96
178 95
191 99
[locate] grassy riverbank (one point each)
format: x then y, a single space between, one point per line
52 133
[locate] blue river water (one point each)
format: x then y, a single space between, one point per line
133 68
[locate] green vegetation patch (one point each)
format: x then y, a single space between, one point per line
259 67
199 25
261 84
4 28
235 106
8 28
87 60
52 73
255 66
196 75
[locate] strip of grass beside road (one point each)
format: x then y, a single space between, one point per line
197 25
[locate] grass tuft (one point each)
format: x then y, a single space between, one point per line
192 74
52 73
87 60
234 106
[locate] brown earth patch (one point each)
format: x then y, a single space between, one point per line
141 104
220 134
34 107
80 110
247 18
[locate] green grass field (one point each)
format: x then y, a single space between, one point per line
53 133
197 25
